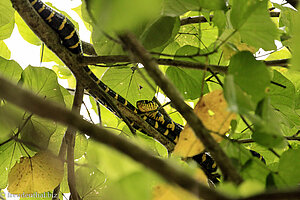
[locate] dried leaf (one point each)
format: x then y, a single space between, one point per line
38 174
212 111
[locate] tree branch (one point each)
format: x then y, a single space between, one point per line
142 56
52 111
202 19
70 141
92 60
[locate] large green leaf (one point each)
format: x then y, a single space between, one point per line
26 32
287 18
4 51
179 7
267 130
9 153
6 12
188 81
252 20
219 20
7 29
81 142
249 166
42 81
10 69
113 163
288 168
282 94
108 119
90 183
10 118
295 43
129 83
122 15
160 32
49 56
238 101
250 75
104 45
135 186
37 132
283 98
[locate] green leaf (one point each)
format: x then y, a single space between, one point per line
160 32
283 95
90 183
219 20
190 38
295 42
7 29
238 101
109 120
42 81
250 75
252 20
81 11
113 163
288 168
68 97
26 32
10 69
81 144
122 15
267 131
129 83
283 98
251 187
104 45
249 166
212 5
135 186
209 35
6 12
188 81
37 132
62 72
49 56
4 51
9 153
56 139
10 118
178 7
287 18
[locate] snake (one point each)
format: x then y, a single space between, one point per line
150 110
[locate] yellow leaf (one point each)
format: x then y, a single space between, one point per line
38 174
212 111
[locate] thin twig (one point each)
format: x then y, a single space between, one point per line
70 141
202 19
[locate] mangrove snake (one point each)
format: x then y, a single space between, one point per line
163 124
